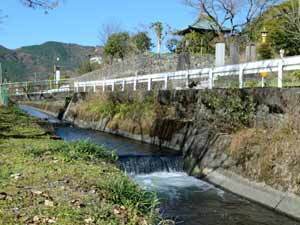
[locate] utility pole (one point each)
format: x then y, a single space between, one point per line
0 73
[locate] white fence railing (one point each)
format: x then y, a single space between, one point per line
207 75
206 78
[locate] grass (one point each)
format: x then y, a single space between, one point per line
133 114
270 155
45 181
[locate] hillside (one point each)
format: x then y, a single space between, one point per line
21 64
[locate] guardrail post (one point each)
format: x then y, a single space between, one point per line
241 74
75 87
149 84
134 84
123 85
103 85
280 74
166 82
187 80
210 79
94 87
113 86
84 87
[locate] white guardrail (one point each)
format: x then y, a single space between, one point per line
207 75
206 78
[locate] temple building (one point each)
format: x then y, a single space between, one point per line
203 25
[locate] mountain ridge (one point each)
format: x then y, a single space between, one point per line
23 63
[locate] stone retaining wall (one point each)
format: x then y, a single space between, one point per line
148 64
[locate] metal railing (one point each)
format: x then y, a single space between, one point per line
205 78
39 87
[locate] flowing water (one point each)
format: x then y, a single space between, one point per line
185 199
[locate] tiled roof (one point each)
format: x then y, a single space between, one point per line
205 24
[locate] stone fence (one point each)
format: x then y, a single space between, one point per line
148 64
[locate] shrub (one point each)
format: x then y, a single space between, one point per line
117 45
141 42
265 51
125 192
79 150
228 111
196 43
87 67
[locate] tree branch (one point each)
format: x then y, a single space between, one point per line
44 4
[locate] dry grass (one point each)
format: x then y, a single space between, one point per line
270 155
134 113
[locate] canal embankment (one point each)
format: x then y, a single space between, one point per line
245 141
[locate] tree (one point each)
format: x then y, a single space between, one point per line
141 42
158 29
107 30
289 17
196 43
42 4
117 45
282 23
234 14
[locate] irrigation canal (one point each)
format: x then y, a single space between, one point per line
185 199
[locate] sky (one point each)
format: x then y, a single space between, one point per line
79 21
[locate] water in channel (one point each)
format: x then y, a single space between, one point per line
185 199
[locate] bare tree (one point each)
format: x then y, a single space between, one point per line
158 29
107 29
43 4
234 14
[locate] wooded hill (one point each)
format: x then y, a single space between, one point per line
22 64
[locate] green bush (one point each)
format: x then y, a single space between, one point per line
283 31
228 111
141 42
196 43
125 192
265 51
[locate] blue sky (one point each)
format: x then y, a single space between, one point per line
79 21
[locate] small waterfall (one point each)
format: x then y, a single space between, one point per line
150 164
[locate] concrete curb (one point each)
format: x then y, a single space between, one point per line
286 203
